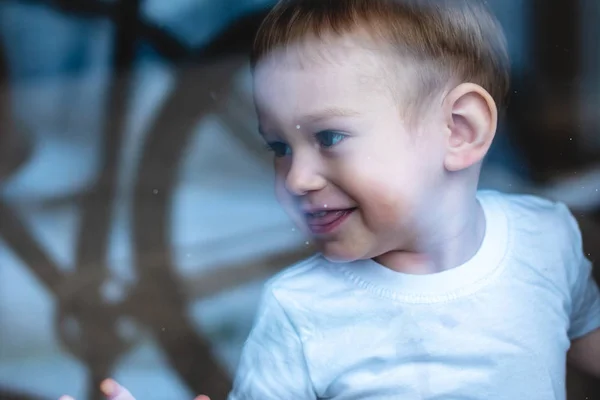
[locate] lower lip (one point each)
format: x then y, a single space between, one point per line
330 227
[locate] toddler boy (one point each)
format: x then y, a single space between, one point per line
379 114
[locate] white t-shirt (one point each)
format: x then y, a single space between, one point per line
497 327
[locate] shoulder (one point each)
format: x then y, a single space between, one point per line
306 289
276 307
526 205
534 216
545 243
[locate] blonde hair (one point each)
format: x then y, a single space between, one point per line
452 41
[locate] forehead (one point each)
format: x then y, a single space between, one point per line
317 74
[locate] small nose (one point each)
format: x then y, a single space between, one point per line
303 177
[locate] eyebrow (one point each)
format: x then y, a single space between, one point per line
329 113
321 115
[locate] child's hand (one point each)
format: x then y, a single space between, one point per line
113 391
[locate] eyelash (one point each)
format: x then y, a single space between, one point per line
272 148
318 137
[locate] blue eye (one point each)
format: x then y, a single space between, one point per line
329 138
279 148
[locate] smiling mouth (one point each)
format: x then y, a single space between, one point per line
325 221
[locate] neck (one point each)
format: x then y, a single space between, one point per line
452 237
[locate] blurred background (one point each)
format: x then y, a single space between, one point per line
137 220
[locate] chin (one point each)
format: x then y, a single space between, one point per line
339 254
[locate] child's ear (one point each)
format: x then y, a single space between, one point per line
471 116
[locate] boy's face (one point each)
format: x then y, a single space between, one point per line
349 170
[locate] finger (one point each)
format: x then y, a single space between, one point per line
202 397
114 391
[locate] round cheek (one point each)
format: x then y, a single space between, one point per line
387 216
383 208
380 194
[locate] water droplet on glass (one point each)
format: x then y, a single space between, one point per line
307 243
293 229
325 206
155 191
213 95
297 126
163 329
